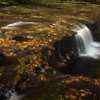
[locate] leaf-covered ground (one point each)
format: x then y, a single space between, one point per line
65 88
21 49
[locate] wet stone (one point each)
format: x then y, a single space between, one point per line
2 57
20 38
5 92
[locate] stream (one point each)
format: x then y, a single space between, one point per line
86 64
88 61
29 25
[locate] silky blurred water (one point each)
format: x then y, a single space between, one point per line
85 44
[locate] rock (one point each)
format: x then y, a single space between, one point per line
20 38
19 24
2 57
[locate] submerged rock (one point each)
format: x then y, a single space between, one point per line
22 37
19 24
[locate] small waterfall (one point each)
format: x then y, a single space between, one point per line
85 44
15 96
10 94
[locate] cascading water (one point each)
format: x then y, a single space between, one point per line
15 96
85 44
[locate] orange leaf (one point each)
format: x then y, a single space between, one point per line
0 74
54 72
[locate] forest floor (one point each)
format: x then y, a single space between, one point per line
20 49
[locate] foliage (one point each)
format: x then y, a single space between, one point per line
92 1
32 61
42 2
6 2
55 92
71 89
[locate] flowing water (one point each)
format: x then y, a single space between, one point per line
18 24
89 55
88 61
15 96
85 44
84 64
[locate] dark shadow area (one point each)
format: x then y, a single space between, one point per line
85 66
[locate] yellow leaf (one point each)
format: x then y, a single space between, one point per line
62 81
30 31
37 63
68 57
17 76
42 77
54 72
54 34
45 42
33 47
50 40
11 53
82 95
42 44
47 28
24 46
0 74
